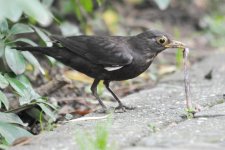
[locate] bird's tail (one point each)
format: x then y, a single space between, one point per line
50 51
35 49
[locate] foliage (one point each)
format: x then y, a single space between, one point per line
83 10
28 98
32 8
20 18
99 141
179 57
78 7
162 4
153 128
216 29
179 53
190 112
13 65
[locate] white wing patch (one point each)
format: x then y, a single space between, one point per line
113 68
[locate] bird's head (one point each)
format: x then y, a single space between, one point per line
158 41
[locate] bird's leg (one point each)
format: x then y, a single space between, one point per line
121 105
95 93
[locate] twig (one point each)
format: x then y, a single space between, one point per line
186 79
21 108
77 99
87 118
53 85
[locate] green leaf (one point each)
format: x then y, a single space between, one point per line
47 111
10 9
43 36
31 59
12 132
28 93
2 48
179 57
28 97
51 60
1 36
69 29
87 5
11 118
24 80
28 41
25 90
162 4
21 108
16 85
4 100
21 28
15 60
25 99
4 28
100 2
41 100
36 10
67 6
4 146
47 3
3 82
76 9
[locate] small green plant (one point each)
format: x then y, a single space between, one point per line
98 141
190 113
153 128
179 58
179 53
46 125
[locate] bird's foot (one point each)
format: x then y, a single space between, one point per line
123 108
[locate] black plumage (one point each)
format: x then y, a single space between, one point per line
108 58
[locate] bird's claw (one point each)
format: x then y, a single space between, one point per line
118 109
123 108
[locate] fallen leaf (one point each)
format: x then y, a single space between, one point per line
22 141
74 75
165 69
111 19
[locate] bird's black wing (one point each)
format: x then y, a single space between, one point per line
106 51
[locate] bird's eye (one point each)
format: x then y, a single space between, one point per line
162 40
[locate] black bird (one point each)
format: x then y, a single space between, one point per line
108 58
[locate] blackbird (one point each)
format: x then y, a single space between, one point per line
108 58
